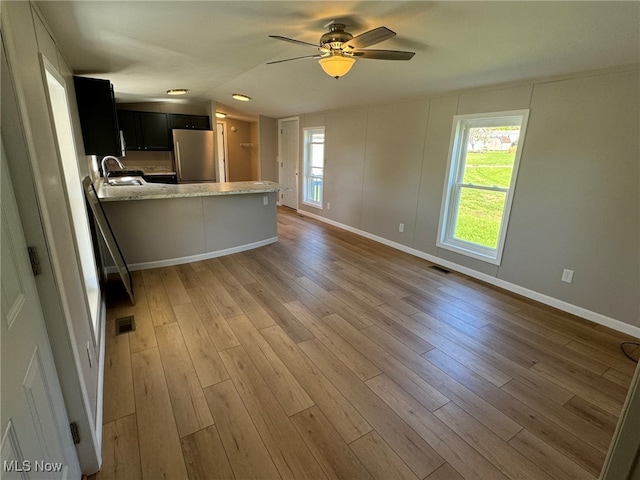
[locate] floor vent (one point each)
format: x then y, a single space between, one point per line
125 325
440 269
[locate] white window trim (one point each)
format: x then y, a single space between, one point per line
447 213
305 167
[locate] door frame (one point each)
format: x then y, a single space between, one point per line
280 164
49 69
225 153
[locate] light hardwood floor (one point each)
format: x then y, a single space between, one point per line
327 355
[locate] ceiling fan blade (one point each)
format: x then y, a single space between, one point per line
294 58
383 54
292 40
371 37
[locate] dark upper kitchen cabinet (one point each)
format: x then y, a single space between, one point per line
129 124
196 122
148 131
145 130
98 118
155 131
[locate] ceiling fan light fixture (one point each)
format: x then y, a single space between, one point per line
241 97
336 66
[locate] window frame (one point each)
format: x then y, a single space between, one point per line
306 167
453 186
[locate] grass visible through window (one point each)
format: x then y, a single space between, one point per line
480 211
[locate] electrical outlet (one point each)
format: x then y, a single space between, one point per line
265 200
328 205
401 227
567 275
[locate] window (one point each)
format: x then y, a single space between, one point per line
313 166
483 165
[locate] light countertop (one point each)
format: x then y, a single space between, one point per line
149 191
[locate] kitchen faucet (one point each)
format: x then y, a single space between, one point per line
103 164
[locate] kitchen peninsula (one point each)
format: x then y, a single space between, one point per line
168 224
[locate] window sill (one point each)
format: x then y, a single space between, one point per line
469 252
314 205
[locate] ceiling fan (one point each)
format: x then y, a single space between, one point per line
339 49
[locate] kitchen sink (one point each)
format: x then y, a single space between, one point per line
124 181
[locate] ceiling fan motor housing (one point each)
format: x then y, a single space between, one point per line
335 37
339 48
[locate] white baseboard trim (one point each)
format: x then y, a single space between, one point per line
511 287
194 258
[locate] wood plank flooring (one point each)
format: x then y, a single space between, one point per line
327 355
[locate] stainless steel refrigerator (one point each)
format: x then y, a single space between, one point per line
193 155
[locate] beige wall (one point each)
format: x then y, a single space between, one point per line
394 148
344 154
576 203
268 148
254 150
238 150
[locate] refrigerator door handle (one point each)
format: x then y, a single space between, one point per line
177 153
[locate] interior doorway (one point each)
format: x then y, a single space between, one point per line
288 159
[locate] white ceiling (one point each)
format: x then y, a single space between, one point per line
216 48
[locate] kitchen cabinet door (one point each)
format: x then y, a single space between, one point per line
98 119
144 130
178 121
200 122
130 126
195 122
155 131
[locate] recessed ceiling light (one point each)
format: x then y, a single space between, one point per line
241 97
177 91
221 115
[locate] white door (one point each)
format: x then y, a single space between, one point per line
222 155
288 151
36 439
